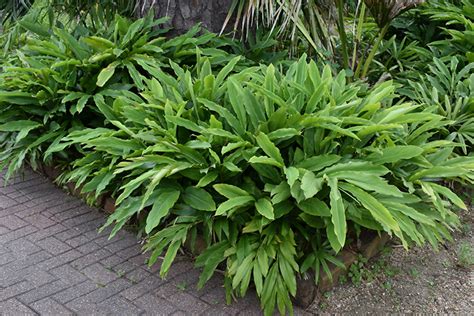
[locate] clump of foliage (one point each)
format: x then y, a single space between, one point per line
275 184
277 167
465 255
449 91
58 82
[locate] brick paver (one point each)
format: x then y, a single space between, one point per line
53 262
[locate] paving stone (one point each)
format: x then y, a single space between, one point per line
22 199
12 222
13 307
139 260
125 267
62 213
23 246
15 234
99 274
6 202
103 292
30 260
112 261
79 241
43 291
38 277
122 244
53 245
50 307
54 262
75 291
83 307
83 218
185 301
88 247
86 260
8 277
178 268
44 233
59 260
68 274
14 194
153 305
137 275
6 257
120 306
129 252
4 230
68 234
14 290
147 285
40 221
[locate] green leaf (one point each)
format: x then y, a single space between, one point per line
269 148
23 127
265 208
16 126
81 103
338 212
105 74
208 178
99 182
34 27
280 193
169 257
317 163
310 184
199 199
104 108
234 202
449 195
292 174
161 207
378 210
395 154
315 207
98 43
370 183
265 161
210 259
439 172
333 240
283 134
229 191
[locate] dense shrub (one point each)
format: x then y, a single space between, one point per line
278 168
448 89
56 82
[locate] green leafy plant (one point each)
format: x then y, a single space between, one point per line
57 83
458 17
449 91
465 255
276 168
273 184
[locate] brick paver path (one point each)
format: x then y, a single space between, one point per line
53 262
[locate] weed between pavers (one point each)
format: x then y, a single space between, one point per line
182 286
414 272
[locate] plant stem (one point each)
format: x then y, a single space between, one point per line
342 33
374 50
358 34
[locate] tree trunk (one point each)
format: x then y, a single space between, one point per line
184 14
